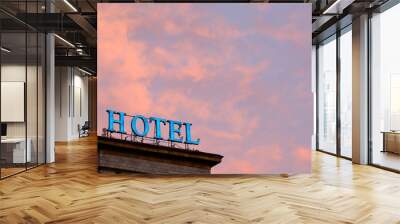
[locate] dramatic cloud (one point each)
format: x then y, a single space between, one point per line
240 73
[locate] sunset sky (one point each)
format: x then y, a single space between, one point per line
240 73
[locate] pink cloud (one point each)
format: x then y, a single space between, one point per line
224 134
265 157
273 151
194 69
303 154
172 101
243 166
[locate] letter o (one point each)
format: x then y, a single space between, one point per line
145 126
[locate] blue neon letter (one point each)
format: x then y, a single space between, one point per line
173 131
145 126
157 127
189 136
112 121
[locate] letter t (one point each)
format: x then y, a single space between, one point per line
157 127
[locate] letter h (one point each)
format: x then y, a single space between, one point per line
112 121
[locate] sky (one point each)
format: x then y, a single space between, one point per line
240 73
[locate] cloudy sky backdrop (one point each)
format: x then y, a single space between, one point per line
240 73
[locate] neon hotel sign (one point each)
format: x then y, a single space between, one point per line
174 127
